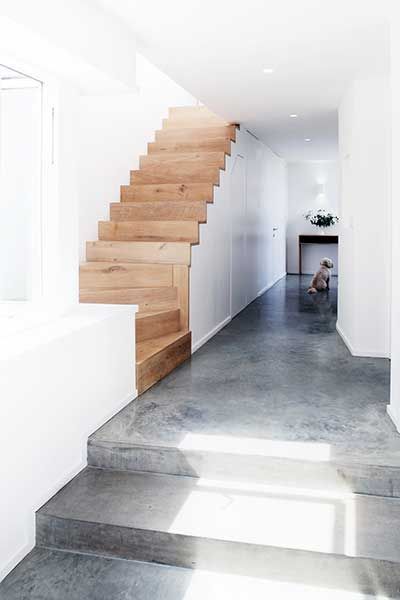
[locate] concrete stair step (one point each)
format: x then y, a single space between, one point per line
48 575
201 523
197 456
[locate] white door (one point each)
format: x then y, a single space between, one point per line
239 251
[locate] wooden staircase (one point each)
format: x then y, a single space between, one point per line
143 252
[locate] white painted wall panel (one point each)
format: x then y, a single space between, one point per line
238 256
58 383
364 251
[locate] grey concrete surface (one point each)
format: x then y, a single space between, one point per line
53 575
187 522
278 373
289 424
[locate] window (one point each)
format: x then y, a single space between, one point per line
20 186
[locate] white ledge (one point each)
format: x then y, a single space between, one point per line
23 329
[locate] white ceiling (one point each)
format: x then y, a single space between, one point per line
218 49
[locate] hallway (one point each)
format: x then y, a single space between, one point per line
276 427
278 372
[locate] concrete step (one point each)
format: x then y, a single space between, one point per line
202 523
197 456
48 575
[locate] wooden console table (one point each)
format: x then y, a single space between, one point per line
315 239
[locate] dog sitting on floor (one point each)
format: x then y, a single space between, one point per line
321 278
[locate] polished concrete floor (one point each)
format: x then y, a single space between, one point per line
279 372
286 422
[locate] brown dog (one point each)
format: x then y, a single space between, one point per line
321 278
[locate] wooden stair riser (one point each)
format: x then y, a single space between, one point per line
143 253
149 231
188 123
173 147
181 283
159 211
139 252
195 134
104 275
191 112
168 192
157 324
178 173
159 365
191 159
148 299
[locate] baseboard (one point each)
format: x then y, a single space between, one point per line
270 285
20 555
225 322
210 334
357 351
393 418
110 414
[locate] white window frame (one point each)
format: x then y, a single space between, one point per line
45 214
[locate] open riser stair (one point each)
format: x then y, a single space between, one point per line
143 252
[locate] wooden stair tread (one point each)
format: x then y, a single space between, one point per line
158 298
152 313
164 231
167 192
179 159
177 173
143 252
106 275
192 210
139 252
196 133
149 348
172 147
154 324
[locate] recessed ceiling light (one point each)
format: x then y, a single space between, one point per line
268 70
307 139
293 116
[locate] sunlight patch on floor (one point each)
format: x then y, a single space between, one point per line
313 451
208 585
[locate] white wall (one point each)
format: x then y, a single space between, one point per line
115 131
304 194
394 407
61 380
249 203
364 250
58 383
76 40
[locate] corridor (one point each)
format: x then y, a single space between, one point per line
256 469
277 372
